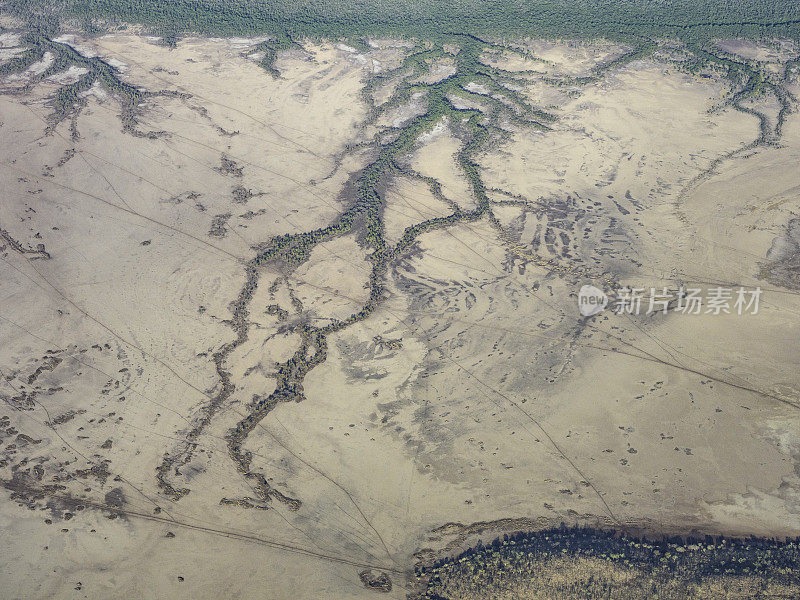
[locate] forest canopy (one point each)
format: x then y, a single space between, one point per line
615 19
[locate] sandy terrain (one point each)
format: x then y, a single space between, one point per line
473 391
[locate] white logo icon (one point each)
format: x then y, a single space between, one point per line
591 300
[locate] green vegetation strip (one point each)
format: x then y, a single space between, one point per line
572 563
426 18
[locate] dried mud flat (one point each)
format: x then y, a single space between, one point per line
290 337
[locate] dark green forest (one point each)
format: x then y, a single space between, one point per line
614 19
669 569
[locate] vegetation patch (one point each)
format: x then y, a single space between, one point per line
573 563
